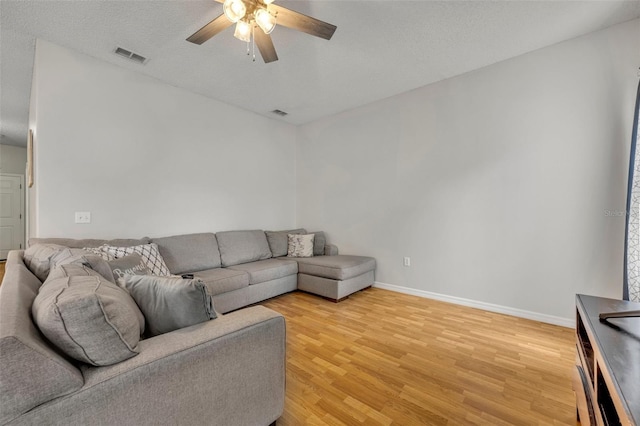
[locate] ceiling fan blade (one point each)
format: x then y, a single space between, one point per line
209 30
297 21
265 45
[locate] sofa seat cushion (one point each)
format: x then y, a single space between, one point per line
267 270
220 281
340 267
189 252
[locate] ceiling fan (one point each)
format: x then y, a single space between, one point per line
256 19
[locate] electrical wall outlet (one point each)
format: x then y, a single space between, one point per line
407 261
83 217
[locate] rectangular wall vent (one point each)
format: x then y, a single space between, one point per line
279 112
130 55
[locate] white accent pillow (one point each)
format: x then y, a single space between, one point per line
149 253
300 245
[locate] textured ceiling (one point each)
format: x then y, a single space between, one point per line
380 49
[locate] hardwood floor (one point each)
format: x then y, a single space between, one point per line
385 358
2 263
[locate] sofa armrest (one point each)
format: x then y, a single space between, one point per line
330 250
227 371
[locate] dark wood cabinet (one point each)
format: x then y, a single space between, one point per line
606 379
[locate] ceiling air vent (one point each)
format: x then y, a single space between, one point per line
279 112
130 55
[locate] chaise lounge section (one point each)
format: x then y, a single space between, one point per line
335 277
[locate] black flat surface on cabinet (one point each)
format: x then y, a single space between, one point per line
618 340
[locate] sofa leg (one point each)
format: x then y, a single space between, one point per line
332 299
346 297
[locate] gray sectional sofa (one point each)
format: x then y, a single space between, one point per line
241 268
229 371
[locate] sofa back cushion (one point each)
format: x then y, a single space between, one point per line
32 372
278 242
73 243
238 247
189 252
319 241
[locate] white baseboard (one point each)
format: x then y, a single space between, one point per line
549 319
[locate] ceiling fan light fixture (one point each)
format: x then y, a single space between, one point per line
243 31
265 20
234 10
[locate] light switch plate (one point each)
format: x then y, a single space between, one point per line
83 217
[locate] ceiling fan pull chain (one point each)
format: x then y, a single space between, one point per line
253 40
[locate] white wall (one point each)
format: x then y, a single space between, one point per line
150 159
13 159
495 183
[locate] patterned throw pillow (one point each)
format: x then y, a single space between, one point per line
150 256
300 245
100 252
132 264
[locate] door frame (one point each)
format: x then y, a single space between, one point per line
23 216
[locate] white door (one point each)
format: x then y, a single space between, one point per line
11 215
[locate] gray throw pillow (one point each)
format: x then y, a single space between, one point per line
66 255
69 270
169 303
38 259
87 317
132 264
99 265
84 270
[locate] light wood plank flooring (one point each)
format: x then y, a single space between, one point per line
385 358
